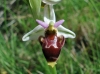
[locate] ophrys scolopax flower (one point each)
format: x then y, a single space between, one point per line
51 34
51 37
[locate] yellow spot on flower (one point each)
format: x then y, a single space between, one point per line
51 30
52 64
51 27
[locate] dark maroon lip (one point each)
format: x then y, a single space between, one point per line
51 46
51 54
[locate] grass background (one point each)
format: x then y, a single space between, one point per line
78 56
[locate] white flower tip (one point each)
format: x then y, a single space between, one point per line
73 36
24 38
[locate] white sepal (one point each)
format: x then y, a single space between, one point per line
49 14
34 34
65 32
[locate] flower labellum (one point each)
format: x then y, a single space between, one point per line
51 44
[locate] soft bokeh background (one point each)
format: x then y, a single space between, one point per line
78 56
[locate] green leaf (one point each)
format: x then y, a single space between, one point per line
35 6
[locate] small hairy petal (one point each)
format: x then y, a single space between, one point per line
58 23
43 24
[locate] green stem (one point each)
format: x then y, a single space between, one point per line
53 70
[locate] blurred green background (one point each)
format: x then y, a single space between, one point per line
78 56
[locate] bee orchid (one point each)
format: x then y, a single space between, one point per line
51 34
51 37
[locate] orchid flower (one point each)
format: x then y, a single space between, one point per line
46 32
40 29
51 37
50 33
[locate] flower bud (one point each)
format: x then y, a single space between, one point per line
50 2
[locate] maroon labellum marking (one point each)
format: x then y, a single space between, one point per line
51 46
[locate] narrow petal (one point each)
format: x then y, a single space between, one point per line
49 14
65 32
58 23
43 24
33 34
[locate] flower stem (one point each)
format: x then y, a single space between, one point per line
53 70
